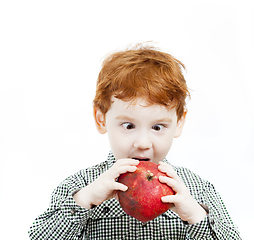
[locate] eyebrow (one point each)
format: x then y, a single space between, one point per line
164 120
124 117
156 120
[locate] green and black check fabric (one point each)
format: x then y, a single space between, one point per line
64 219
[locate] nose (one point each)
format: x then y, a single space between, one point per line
143 142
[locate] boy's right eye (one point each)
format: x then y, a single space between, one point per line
128 125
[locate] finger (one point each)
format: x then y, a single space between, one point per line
127 161
169 199
166 168
125 169
171 183
122 169
120 187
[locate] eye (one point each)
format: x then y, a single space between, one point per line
158 127
128 125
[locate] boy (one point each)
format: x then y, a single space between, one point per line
140 103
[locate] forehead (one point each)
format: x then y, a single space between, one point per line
139 105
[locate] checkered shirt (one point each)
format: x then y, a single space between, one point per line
64 219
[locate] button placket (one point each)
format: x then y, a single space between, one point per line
144 224
73 211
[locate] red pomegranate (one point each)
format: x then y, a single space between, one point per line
142 200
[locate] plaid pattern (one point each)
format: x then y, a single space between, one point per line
64 219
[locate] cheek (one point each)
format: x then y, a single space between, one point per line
119 144
163 145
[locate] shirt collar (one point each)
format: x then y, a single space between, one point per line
112 160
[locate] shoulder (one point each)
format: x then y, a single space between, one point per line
84 177
194 182
188 176
93 172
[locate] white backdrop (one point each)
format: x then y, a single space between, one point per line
50 54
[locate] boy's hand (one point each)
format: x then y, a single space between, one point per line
105 187
183 203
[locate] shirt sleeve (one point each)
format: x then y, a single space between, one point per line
217 223
64 219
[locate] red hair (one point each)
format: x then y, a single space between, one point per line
142 72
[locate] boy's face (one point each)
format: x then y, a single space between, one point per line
139 130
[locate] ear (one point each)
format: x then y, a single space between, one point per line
100 120
179 126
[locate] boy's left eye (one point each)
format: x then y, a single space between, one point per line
158 127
